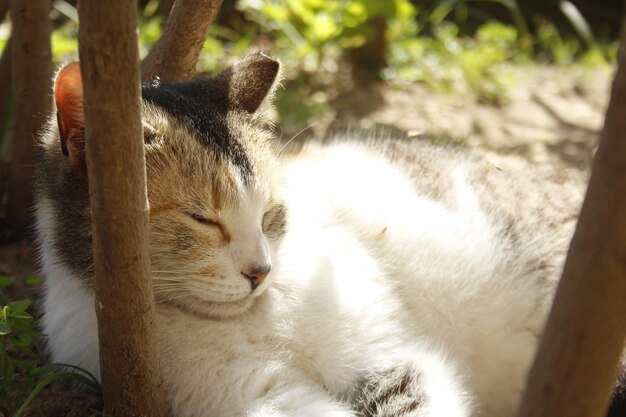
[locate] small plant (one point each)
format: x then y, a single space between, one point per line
18 354
311 26
24 372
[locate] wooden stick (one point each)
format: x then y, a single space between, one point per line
131 377
576 363
31 61
175 55
4 8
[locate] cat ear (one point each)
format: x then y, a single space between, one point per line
68 94
251 81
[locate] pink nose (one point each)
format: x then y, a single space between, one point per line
256 274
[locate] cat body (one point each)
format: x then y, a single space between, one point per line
380 277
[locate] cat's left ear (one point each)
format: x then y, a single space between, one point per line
251 81
68 95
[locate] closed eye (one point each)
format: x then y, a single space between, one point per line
204 220
207 221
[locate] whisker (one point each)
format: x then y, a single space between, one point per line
168 283
167 291
171 282
282 132
201 279
179 283
296 135
172 277
174 298
177 275
167 286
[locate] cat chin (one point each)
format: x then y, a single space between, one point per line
211 309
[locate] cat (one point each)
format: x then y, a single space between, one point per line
360 277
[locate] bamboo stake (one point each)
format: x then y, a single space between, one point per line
576 363
131 377
31 62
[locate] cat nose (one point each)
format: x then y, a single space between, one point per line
257 274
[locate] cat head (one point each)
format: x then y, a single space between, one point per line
214 186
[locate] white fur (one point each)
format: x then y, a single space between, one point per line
69 319
370 275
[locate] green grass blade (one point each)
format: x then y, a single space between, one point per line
47 381
577 20
94 383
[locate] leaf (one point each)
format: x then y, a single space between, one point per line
39 371
18 308
276 12
440 11
22 340
5 329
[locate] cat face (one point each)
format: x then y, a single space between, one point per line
214 186
214 227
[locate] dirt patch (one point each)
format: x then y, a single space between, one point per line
550 114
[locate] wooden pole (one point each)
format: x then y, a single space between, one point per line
31 62
4 8
576 363
131 377
175 55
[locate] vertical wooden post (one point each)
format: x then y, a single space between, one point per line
31 61
576 363
131 377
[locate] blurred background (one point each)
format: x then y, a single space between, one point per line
490 73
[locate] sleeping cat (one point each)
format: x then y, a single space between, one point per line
373 278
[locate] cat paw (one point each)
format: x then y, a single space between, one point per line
406 391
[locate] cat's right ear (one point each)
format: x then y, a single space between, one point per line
251 81
68 95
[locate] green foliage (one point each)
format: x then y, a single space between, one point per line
313 30
432 46
444 46
23 371
565 50
309 25
443 60
18 354
460 10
